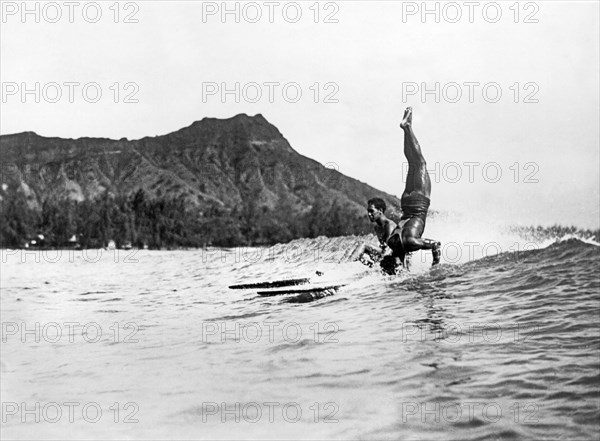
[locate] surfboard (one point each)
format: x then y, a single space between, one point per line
308 290
271 284
312 295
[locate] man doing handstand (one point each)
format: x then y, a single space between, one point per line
406 236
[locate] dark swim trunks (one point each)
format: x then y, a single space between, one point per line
413 205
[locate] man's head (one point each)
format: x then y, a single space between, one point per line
375 208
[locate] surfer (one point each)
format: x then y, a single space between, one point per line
384 227
406 237
414 202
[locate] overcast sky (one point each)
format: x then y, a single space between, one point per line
370 60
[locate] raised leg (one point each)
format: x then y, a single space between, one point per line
418 178
417 181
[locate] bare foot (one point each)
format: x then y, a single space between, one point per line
407 119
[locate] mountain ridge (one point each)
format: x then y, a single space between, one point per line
248 140
240 170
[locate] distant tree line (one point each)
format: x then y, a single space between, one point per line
167 222
540 233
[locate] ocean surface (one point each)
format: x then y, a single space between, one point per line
502 341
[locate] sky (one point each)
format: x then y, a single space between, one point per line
505 94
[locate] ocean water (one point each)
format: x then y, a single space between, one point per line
495 344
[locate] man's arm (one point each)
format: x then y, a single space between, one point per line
367 254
